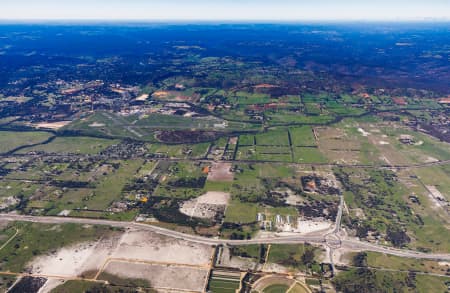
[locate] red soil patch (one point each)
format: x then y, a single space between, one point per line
220 171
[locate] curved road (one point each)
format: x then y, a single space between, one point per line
350 244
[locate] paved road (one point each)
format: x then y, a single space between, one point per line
350 244
204 160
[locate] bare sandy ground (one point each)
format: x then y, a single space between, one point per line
50 285
164 261
96 124
149 246
142 97
207 205
436 197
52 125
220 171
363 132
74 260
225 259
162 276
306 226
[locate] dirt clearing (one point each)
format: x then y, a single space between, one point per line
206 206
165 262
148 246
167 277
221 171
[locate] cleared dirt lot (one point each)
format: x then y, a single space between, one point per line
164 262
337 145
161 276
221 171
206 206
75 260
149 246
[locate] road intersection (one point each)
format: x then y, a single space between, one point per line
350 244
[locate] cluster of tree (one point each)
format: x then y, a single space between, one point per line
189 182
364 280
397 236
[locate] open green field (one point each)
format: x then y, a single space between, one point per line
391 213
223 284
6 282
86 286
144 127
287 118
251 181
308 155
244 98
379 260
302 136
34 239
75 145
110 188
299 256
276 288
16 188
273 138
182 180
10 140
357 280
298 288
239 212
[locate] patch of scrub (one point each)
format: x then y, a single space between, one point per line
207 206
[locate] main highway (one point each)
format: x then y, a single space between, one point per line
346 243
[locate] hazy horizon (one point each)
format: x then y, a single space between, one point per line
222 10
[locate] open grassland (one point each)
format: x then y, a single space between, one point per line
302 136
6 282
10 140
308 155
299 256
379 260
438 176
86 286
276 288
357 280
239 212
289 118
144 127
223 283
381 203
16 188
296 144
299 288
35 239
110 188
73 145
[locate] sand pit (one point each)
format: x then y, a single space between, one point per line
233 140
75 260
363 132
165 262
52 125
436 197
142 97
305 227
161 276
96 124
206 206
148 246
160 94
221 171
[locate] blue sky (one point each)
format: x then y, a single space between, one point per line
277 10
